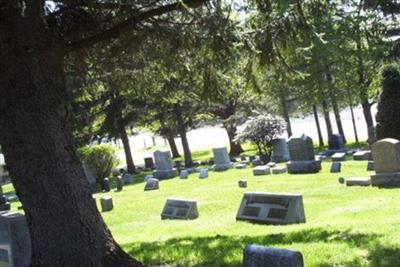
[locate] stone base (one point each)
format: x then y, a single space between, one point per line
279 170
304 166
223 167
261 170
165 174
360 181
279 159
330 152
386 179
339 156
362 155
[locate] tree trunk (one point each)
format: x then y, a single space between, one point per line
65 226
285 114
236 148
327 118
127 149
366 106
172 145
338 118
320 138
182 132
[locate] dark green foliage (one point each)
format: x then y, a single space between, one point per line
100 158
388 115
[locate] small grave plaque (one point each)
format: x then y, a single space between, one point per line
203 173
360 181
261 170
151 184
128 178
243 183
106 203
336 167
259 256
279 170
184 174
272 208
180 209
339 156
362 155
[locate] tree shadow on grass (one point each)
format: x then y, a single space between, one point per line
227 250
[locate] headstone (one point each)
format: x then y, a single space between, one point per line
119 182
360 181
148 163
241 166
164 165
184 174
179 209
128 178
15 243
93 185
259 256
279 170
362 155
335 144
203 173
386 155
280 150
302 157
106 185
222 160
370 166
106 203
151 184
272 208
339 156
336 167
243 183
261 170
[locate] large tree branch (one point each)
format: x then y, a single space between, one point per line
117 30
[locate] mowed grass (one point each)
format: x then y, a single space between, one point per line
346 226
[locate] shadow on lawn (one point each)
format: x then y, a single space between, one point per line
227 250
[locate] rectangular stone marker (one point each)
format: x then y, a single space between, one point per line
336 167
280 150
128 178
106 203
279 170
184 174
15 243
360 181
261 170
148 163
164 165
272 208
302 157
242 183
362 155
339 156
222 160
151 184
203 173
335 144
386 155
259 256
179 209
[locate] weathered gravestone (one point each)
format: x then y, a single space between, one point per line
280 150
302 157
164 165
184 174
106 203
93 185
259 256
203 173
261 170
222 160
148 163
272 208
279 170
336 167
15 243
386 154
242 183
335 144
128 178
106 185
179 209
151 184
147 177
339 156
119 183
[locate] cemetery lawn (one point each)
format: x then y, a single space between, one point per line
346 226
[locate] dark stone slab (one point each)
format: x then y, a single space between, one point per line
259 256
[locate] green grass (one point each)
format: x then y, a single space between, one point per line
346 226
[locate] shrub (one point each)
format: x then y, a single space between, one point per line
260 131
100 158
387 117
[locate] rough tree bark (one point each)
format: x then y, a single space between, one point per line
327 118
338 119
65 226
285 113
353 120
127 150
172 145
320 138
235 147
182 132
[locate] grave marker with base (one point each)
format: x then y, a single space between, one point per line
259 256
106 203
164 165
222 160
261 170
335 144
302 157
272 208
180 209
386 155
